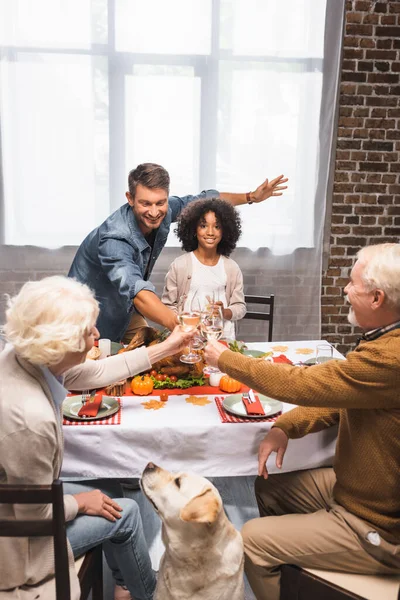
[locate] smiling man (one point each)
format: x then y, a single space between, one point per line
345 518
116 259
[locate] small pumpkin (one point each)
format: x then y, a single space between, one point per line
228 384
142 385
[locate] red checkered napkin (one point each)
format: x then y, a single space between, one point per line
228 418
114 419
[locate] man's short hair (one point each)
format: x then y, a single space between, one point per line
149 175
382 270
49 318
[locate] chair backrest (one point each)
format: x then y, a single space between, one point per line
54 527
268 301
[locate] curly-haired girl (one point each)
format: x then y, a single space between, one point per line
208 230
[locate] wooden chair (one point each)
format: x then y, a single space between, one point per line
268 301
89 566
313 584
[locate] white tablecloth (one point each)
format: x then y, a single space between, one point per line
183 437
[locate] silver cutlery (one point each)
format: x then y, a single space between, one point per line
252 397
87 394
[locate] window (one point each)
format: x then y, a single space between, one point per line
223 93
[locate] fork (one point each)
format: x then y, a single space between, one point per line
85 396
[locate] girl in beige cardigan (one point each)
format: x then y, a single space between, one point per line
208 230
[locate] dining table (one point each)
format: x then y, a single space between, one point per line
190 432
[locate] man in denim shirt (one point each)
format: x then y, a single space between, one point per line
116 259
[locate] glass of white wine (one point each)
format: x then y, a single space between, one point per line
212 327
189 319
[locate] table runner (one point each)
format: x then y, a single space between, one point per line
204 390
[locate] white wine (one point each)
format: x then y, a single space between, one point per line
212 332
189 320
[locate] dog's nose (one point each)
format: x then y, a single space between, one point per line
151 467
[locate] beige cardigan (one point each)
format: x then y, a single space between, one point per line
178 278
31 452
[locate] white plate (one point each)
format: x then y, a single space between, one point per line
73 404
234 405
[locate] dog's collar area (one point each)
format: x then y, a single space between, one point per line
153 503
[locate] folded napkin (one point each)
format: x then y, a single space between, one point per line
91 406
282 359
255 407
225 417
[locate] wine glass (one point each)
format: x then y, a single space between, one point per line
212 327
189 318
323 353
197 340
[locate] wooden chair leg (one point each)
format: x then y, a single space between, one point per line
91 574
97 589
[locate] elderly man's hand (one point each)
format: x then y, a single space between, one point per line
276 440
212 352
268 189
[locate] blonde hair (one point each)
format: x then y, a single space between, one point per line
50 318
382 270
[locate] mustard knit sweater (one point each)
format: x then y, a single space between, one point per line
362 395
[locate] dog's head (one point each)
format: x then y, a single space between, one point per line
181 497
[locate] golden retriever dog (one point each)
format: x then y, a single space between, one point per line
203 558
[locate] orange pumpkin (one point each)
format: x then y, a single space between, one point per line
142 385
228 384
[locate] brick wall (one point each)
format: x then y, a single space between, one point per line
366 199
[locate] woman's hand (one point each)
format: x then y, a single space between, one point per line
99 504
178 340
212 352
277 441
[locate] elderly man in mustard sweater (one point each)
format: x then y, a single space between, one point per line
345 518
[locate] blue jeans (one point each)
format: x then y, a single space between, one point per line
123 541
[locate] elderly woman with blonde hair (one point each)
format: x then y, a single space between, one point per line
50 327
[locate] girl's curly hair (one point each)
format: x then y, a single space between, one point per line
226 215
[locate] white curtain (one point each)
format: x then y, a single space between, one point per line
223 93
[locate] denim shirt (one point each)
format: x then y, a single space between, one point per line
112 260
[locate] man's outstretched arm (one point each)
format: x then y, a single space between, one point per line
263 192
151 307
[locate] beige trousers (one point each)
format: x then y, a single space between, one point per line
300 524
136 322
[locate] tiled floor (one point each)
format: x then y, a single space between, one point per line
240 505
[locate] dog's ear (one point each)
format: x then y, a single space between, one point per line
203 508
